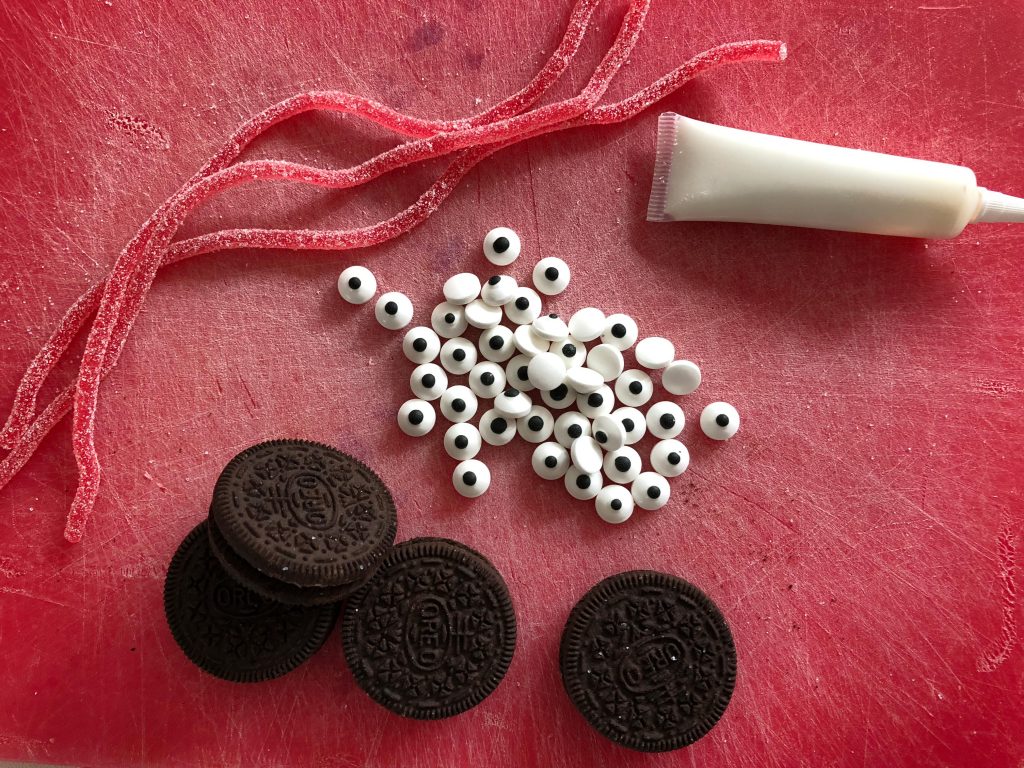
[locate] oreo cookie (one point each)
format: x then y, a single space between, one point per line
230 631
432 634
304 513
648 660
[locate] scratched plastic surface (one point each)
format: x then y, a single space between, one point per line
861 534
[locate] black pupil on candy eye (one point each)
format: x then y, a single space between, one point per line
462 442
449 318
415 417
627 424
667 421
673 458
618 330
553 316
428 380
601 437
354 283
487 378
420 345
654 491
559 392
550 462
616 505
569 350
722 420
496 342
499 425
523 373
551 273
511 392
469 478
575 431
595 400
636 387
501 245
536 423
459 355
583 482
458 405
494 280
391 308
522 303
623 464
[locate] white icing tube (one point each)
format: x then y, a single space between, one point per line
706 172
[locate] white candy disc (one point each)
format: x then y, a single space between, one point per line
665 419
669 458
634 423
571 426
416 417
481 315
517 373
536 426
546 371
650 491
501 246
620 331
623 465
497 344
458 356
525 306
559 398
471 478
634 388
596 403
609 432
428 381
528 342
550 461
449 320
462 288
421 344
498 290
582 486
614 504
393 310
587 324
654 352
584 380
572 351
462 441
458 404
720 421
587 455
357 285
681 377
497 429
551 327
513 403
606 360
551 276
487 380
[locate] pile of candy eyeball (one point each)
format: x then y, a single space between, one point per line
540 356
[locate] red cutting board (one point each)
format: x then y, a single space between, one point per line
862 534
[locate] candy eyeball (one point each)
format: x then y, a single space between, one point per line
587 455
513 403
461 288
428 381
634 423
559 398
487 380
497 344
416 417
623 465
449 320
670 458
551 276
458 404
596 403
614 504
587 324
499 290
546 371
528 342
665 420
481 315
571 351
393 310
517 373
606 360
650 490
421 344
681 377
620 331
357 285
501 246
471 478
584 380
458 356
581 485
654 352
571 426
497 429
719 421
550 461
609 432
634 388
462 441
524 307
551 327
537 425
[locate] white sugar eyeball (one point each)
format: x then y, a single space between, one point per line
550 461
546 371
720 421
524 307
551 327
571 426
665 419
650 490
449 320
537 425
458 356
623 465
572 352
614 504
606 360
497 344
551 276
513 403
581 485
393 310
609 432
462 441
528 342
497 429
458 404
421 344
586 454
481 315
517 373
670 458
634 388
487 380
654 352
633 422
587 324
428 381
584 380
620 331
499 290
416 417
502 246
559 398
681 377
471 478
462 288
357 285
596 403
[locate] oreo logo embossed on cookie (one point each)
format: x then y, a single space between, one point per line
648 660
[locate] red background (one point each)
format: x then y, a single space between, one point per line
861 534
